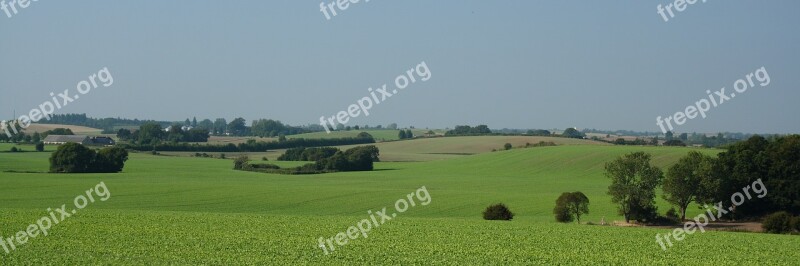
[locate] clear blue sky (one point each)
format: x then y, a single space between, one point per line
514 64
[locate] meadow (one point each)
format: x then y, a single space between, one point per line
181 210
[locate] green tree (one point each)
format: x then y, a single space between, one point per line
110 160
150 133
409 134
572 133
669 136
571 205
40 146
633 184
237 127
72 158
36 137
402 134
507 146
684 182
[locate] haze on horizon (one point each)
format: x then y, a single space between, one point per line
506 64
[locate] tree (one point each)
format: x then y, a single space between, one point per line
150 133
237 127
402 134
571 205
392 126
110 160
633 184
409 134
220 125
71 158
669 136
685 180
241 162
498 212
507 146
36 137
124 134
572 133
40 146
684 137
187 122
194 121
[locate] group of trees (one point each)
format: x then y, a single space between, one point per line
706 180
469 131
572 133
327 160
253 146
153 133
76 158
406 134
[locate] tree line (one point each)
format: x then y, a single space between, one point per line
251 146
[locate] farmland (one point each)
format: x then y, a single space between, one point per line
181 210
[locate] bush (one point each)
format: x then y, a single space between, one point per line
498 212
14 149
222 156
507 146
264 158
672 214
240 162
40 146
778 223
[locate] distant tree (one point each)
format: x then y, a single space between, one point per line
669 136
40 146
356 127
220 125
498 212
571 205
674 142
281 138
194 121
684 137
187 122
150 133
507 146
572 133
237 127
633 184
36 137
124 134
72 158
409 134
58 131
402 134
685 181
392 126
110 160
654 141
206 125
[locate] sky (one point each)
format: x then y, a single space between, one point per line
506 64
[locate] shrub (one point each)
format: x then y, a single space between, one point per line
497 212
222 156
507 146
240 162
264 158
778 223
40 146
14 149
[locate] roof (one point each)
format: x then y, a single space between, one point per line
66 138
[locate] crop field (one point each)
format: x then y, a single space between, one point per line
179 210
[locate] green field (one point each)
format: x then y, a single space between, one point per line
179 210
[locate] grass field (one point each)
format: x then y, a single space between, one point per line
179 210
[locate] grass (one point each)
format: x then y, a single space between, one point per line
180 210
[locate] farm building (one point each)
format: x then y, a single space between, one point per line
64 139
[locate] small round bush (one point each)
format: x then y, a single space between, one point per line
14 149
778 223
498 212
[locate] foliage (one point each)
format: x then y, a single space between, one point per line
572 133
498 212
250 147
76 158
778 223
689 180
469 131
571 205
40 146
633 184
